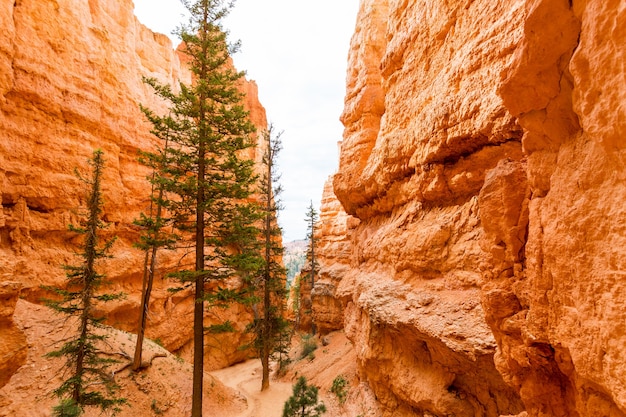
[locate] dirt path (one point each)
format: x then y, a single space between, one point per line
246 378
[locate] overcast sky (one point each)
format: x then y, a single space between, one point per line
296 51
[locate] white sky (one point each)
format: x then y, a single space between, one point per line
296 51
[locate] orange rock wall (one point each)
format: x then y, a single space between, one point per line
334 249
423 126
565 347
13 347
70 82
483 154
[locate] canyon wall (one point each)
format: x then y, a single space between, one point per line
70 82
483 157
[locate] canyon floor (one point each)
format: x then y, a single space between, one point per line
164 386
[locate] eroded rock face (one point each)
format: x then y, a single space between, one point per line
564 348
13 348
423 128
70 82
484 156
333 246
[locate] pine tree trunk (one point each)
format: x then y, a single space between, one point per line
198 349
146 290
266 342
198 310
267 302
80 356
89 275
142 316
267 334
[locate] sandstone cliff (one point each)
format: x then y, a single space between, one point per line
483 154
70 81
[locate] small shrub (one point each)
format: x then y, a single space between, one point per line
340 388
303 402
282 366
308 347
155 408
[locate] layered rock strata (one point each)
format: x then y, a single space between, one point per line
483 154
70 81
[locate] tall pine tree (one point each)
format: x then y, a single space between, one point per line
205 170
86 363
271 328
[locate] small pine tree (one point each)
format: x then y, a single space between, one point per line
83 357
295 296
271 329
340 388
154 236
303 402
312 218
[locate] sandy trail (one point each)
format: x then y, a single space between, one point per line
246 378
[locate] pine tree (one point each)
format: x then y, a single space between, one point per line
84 360
205 172
272 330
312 219
154 225
303 402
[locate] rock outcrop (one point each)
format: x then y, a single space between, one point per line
483 154
70 81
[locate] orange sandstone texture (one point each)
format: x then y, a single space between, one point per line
70 82
484 156
13 348
423 127
333 247
565 349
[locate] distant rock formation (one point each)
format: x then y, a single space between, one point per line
294 257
